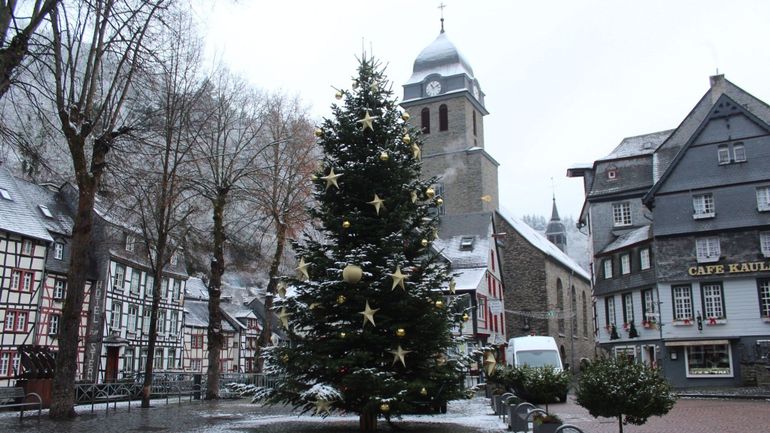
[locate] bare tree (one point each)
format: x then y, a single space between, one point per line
226 153
97 48
15 34
282 190
154 176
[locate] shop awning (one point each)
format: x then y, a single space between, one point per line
695 342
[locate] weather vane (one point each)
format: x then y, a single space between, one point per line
442 6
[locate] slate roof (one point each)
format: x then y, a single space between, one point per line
18 215
439 57
639 145
541 243
195 289
633 237
453 229
36 195
197 316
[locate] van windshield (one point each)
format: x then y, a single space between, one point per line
537 358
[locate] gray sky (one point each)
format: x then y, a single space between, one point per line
565 81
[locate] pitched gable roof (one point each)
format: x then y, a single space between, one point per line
17 214
673 149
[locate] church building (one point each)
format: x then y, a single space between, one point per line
508 294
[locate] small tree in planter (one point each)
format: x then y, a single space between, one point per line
545 423
619 388
538 385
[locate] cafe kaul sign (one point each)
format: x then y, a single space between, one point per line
728 268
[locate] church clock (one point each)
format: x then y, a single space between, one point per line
433 88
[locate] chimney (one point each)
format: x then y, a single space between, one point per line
717 86
715 80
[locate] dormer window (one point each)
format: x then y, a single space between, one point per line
130 241
44 209
5 194
466 243
612 174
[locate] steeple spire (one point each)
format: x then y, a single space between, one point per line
442 6
555 230
554 211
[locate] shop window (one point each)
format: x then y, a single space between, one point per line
713 360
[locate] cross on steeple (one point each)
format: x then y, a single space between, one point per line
442 6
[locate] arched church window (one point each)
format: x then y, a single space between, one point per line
443 118
560 305
474 122
585 315
425 120
573 312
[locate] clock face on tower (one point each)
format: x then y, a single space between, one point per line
433 88
476 92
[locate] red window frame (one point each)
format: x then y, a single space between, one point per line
19 285
5 372
15 327
196 341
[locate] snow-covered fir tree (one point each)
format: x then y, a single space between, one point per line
369 323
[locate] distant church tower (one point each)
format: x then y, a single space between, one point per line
555 231
444 100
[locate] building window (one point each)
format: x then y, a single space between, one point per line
625 264
146 320
560 305
196 341
158 361
164 288
117 308
764 297
628 308
682 302
119 276
425 120
612 174
130 242
713 303
609 310
764 243
58 250
22 280
723 154
763 198
573 313
644 258
703 206
713 360
443 118
585 314
739 152
174 259
607 269
621 214
59 289
195 364
5 362
5 194
481 311
45 211
133 315
707 249
135 278
26 247
177 291
474 123
173 322
149 285
128 360
649 306
171 360
627 352
16 321
53 324
161 328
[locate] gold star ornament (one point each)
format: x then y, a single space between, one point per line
416 152
302 269
281 289
377 202
399 355
413 195
489 363
331 178
323 406
284 316
369 314
398 279
452 286
367 121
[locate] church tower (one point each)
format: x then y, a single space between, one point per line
444 100
555 230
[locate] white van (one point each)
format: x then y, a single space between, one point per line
535 351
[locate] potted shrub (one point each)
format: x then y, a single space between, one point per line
545 423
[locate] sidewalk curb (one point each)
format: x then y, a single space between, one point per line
723 396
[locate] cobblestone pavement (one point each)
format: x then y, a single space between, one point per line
472 416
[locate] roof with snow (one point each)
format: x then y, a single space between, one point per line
43 202
627 239
639 145
464 239
541 243
196 315
470 278
17 214
196 289
439 57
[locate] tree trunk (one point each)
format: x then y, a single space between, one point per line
620 423
156 287
215 293
367 421
265 338
63 393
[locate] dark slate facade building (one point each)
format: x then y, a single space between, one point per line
694 271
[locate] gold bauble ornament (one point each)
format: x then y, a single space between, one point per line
423 392
346 224
439 304
407 139
343 335
338 95
405 116
466 317
341 299
424 242
430 192
318 132
384 156
352 274
385 407
285 358
400 332
439 201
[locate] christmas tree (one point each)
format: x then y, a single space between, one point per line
369 323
